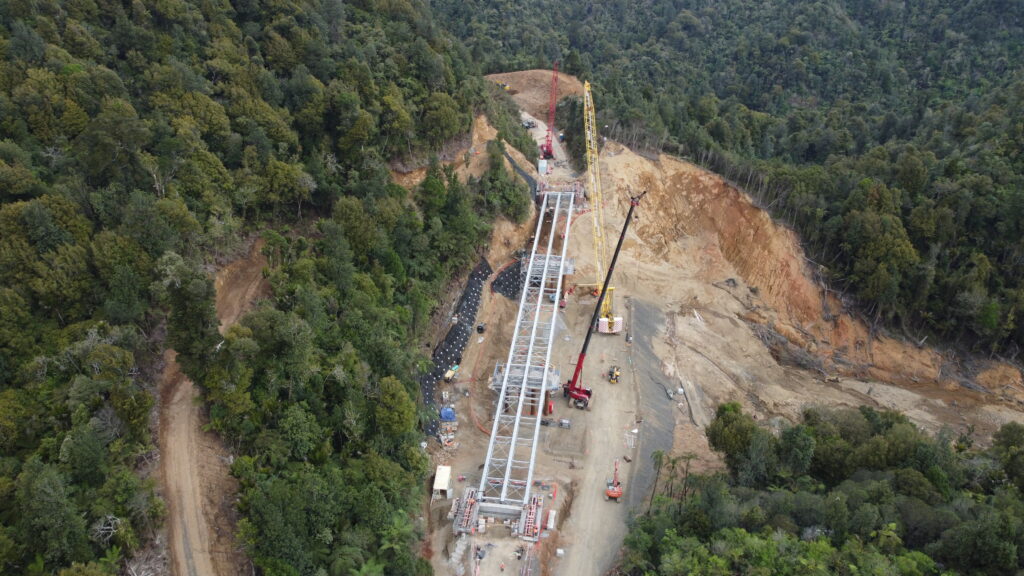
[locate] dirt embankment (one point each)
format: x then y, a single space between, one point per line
531 90
195 477
470 160
744 266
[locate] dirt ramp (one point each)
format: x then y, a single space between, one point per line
531 89
240 284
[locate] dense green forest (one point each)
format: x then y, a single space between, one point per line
890 135
845 492
140 142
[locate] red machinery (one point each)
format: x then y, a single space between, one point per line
614 489
546 151
578 395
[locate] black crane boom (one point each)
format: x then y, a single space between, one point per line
574 389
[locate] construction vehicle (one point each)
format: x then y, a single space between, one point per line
608 323
451 373
614 491
547 152
614 374
578 395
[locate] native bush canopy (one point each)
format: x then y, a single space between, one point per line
888 134
139 144
846 491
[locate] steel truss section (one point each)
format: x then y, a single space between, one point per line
527 375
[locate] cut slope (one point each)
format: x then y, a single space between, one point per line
476 153
711 258
197 485
685 200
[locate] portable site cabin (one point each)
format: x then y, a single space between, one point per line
443 483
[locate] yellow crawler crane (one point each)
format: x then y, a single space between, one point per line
608 323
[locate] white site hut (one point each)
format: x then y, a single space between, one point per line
443 483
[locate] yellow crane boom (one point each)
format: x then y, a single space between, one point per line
596 200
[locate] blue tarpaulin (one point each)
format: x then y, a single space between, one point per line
448 414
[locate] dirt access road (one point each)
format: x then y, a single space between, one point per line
628 419
195 479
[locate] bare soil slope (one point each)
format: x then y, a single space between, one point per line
470 160
733 281
196 482
531 89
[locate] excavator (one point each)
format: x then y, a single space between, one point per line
614 489
578 395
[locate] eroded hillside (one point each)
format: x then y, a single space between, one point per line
748 321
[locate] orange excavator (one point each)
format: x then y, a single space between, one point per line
614 489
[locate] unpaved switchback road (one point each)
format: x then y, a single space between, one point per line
196 482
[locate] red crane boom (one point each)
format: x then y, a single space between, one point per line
546 150
578 395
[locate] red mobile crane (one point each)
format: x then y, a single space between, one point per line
546 151
578 395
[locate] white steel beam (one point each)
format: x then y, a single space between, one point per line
524 378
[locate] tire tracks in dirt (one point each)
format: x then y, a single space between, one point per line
194 472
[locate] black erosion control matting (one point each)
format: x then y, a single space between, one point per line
449 352
509 281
